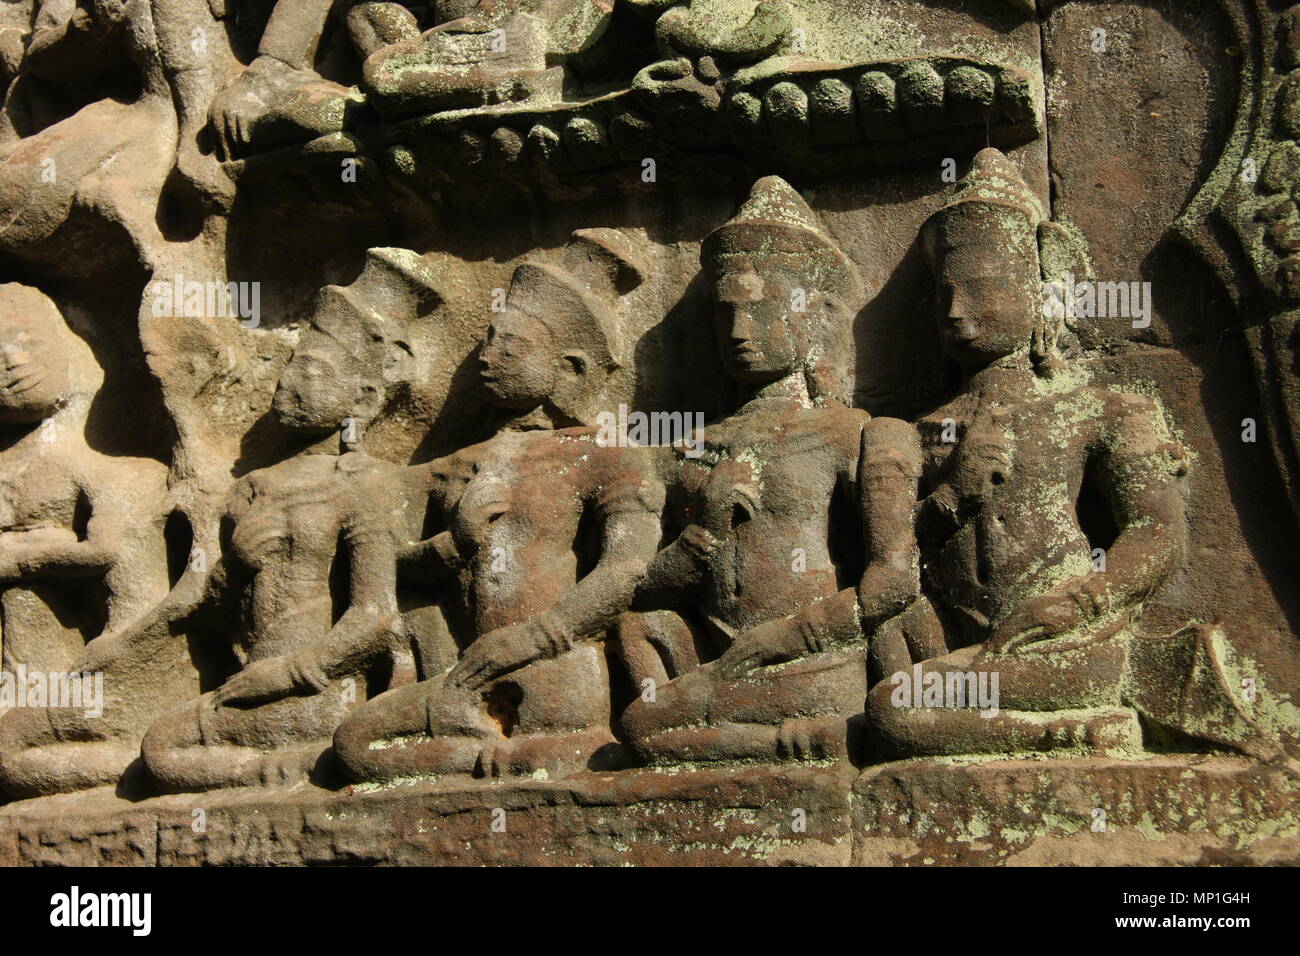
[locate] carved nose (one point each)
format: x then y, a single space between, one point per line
741 324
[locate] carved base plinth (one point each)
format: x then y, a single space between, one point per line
638 818
1166 810
1197 810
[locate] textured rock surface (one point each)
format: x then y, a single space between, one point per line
649 431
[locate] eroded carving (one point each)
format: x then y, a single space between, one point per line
304 659
389 546
530 692
757 560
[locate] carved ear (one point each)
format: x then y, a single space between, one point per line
576 362
1062 250
368 404
399 361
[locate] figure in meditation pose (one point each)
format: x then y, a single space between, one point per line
1023 591
81 535
545 532
799 544
308 652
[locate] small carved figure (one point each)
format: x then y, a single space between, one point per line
497 51
799 544
88 175
477 53
545 533
64 512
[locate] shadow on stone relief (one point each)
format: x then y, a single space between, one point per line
653 411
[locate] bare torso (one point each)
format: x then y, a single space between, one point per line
780 557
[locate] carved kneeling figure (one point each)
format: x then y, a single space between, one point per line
1008 564
271 722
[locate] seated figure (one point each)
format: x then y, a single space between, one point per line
1022 591
545 532
310 649
80 532
63 516
798 546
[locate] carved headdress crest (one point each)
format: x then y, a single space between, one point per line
993 180
577 296
776 223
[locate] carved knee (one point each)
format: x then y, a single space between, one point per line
352 742
163 742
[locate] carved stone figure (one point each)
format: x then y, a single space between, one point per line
547 532
68 527
498 51
1024 592
475 53
308 647
82 554
84 174
765 555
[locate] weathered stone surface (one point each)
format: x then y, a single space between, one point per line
686 818
1097 811
644 417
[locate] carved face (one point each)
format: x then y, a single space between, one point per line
989 294
33 375
320 386
755 322
518 361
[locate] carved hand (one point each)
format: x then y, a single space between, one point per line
770 643
1077 601
237 107
499 652
257 683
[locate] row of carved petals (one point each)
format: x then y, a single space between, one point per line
1279 180
882 103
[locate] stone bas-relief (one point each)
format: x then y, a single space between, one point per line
757 559
529 693
702 457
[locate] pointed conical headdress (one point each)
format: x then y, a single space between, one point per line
775 222
577 296
993 180
374 312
